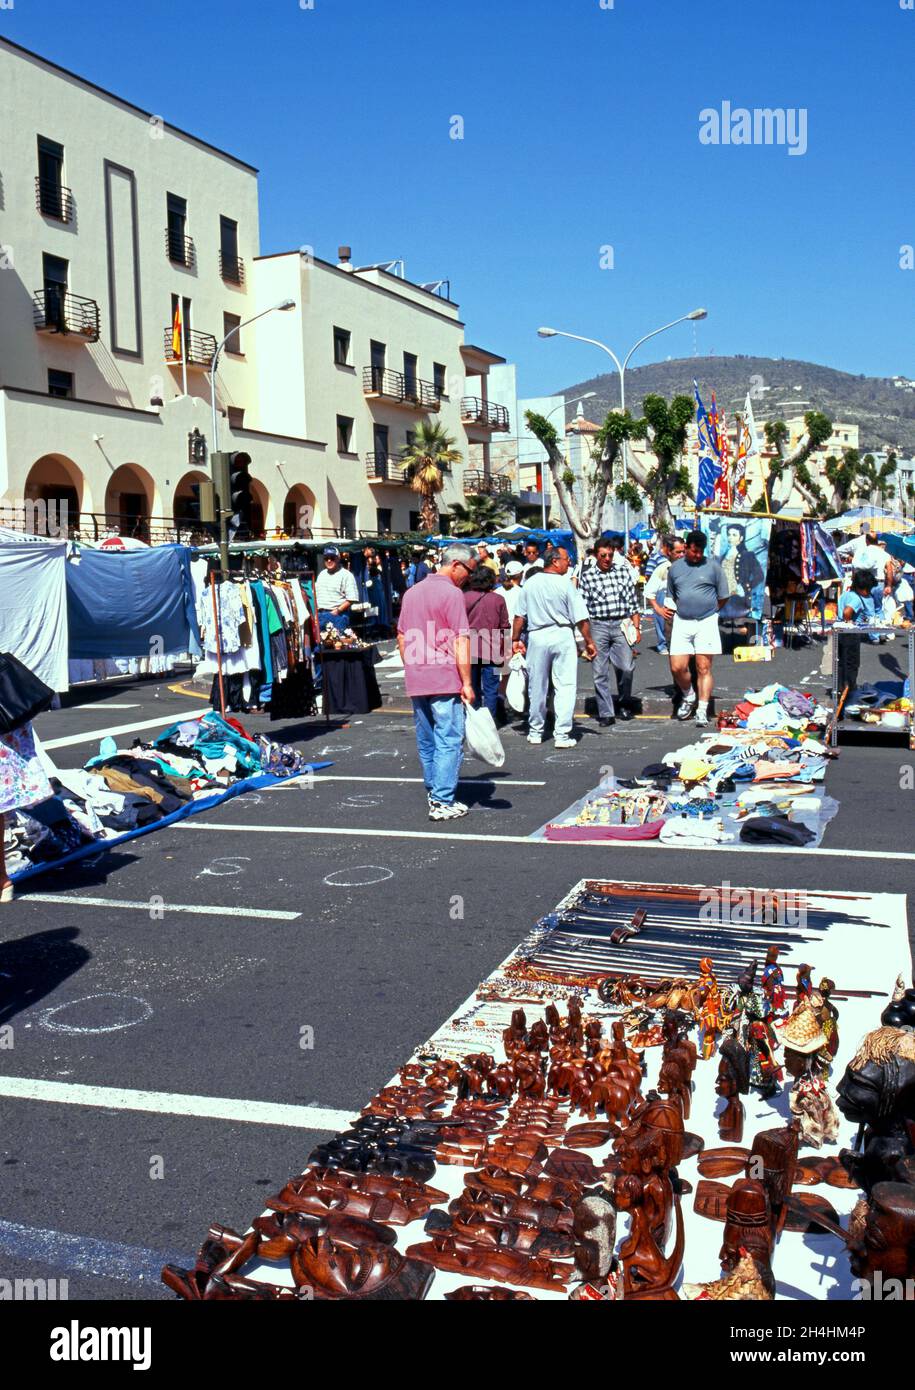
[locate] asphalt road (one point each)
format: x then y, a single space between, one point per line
368 950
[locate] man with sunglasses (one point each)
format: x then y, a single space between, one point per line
433 636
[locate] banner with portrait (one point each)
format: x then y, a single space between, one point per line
740 543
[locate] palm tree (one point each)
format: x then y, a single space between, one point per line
480 516
425 461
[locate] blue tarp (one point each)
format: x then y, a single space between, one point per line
131 603
900 547
204 804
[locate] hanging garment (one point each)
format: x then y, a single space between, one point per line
131 603
33 605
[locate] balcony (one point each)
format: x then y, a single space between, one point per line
200 349
395 388
57 311
53 200
232 269
483 414
386 468
479 484
180 249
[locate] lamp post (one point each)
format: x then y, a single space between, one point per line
283 306
621 369
224 508
586 396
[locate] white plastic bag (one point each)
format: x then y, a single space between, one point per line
516 685
482 737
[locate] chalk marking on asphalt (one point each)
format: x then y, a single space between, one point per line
381 876
129 1264
261 1112
48 1017
113 729
529 840
303 783
202 909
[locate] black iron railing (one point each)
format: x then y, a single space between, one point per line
385 468
200 348
480 484
179 248
57 311
232 269
395 386
52 199
476 411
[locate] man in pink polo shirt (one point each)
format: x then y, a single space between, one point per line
434 640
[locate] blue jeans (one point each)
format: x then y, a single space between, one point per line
486 681
439 722
659 627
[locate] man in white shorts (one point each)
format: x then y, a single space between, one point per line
699 590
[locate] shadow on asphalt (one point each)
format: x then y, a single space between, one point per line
32 967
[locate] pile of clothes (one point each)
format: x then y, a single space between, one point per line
119 792
755 780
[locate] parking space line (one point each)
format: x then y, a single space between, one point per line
471 838
113 729
148 905
258 1112
129 1264
338 777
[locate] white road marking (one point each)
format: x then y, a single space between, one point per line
112 729
130 1264
338 777
259 1112
368 873
104 706
528 840
201 909
48 1018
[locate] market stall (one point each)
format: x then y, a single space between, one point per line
563 1134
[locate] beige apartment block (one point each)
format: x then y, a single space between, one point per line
110 218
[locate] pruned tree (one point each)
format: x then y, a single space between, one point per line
842 476
789 471
584 521
874 481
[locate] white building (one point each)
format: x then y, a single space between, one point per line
111 220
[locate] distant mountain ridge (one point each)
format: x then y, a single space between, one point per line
885 413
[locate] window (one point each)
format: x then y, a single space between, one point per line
341 347
229 263
54 274
51 197
410 367
410 441
230 324
438 378
60 384
348 521
416 521
236 416
383 519
176 229
344 434
185 326
378 352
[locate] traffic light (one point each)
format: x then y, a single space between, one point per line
240 499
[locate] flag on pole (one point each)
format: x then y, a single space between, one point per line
747 449
709 460
720 435
177 352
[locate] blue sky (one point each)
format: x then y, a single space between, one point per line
581 131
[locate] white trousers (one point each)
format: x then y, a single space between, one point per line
552 656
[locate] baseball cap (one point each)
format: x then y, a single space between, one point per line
514 567
331 550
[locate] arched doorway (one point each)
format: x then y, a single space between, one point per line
186 503
299 512
260 505
128 501
53 496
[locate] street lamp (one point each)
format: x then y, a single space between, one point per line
283 306
621 369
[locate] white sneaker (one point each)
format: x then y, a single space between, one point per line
440 810
535 738
563 742
702 720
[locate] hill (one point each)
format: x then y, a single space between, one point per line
780 387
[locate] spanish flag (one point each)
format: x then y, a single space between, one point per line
176 332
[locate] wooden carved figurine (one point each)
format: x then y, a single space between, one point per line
733 1082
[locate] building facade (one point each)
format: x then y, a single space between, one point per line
129 251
